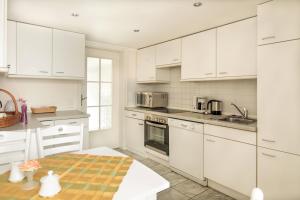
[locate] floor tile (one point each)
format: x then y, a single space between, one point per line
174 178
211 194
190 188
161 169
149 163
171 194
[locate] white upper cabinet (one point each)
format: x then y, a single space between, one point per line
279 95
236 49
168 53
2 34
146 67
199 56
68 54
12 47
278 20
34 50
278 174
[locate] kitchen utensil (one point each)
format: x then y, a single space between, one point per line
215 107
50 185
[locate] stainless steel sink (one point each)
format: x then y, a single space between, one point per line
238 119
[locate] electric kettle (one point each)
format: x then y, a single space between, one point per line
215 107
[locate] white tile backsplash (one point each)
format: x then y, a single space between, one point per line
241 92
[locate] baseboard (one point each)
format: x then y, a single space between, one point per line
197 180
236 195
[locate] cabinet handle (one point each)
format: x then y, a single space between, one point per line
60 129
269 37
134 115
175 59
222 72
183 125
209 140
141 124
269 155
266 140
208 74
60 72
72 122
8 66
1 137
44 72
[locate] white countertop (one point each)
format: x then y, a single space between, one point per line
34 119
197 117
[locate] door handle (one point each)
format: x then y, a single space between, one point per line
268 37
271 141
209 140
269 155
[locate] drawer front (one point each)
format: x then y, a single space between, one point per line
136 115
231 134
191 126
12 136
73 122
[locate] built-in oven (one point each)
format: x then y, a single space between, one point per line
157 134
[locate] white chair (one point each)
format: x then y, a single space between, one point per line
60 139
14 147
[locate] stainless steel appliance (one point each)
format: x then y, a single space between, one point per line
200 104
152 99
215 107
157 134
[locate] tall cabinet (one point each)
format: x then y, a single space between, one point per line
2 34
278 89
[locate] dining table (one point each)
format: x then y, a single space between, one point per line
136 181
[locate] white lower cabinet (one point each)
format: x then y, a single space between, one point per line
278 174
135 135
186 147
230 163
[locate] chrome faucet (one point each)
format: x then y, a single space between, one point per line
244 113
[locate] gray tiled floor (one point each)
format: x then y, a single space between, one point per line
181 187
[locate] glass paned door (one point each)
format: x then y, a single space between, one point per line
99 93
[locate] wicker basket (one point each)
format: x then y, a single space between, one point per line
12 118
47 109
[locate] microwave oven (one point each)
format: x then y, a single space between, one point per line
152 99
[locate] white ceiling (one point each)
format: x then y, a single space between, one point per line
113 21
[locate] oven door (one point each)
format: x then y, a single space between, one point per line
157 137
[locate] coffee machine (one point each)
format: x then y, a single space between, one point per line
200 104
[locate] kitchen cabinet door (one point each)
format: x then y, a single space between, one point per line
278 20
199 56
135 135
3 4
68 54
186 148
278 96
278 174
146 71
230 163
12 47
236 49
34 50
146 64
168 53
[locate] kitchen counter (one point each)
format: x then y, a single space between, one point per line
35 119
197 117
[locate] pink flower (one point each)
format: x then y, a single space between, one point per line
30 165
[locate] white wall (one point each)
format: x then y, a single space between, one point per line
65 94
241 92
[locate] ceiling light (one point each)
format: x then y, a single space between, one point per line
197 4
75 14
136 30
